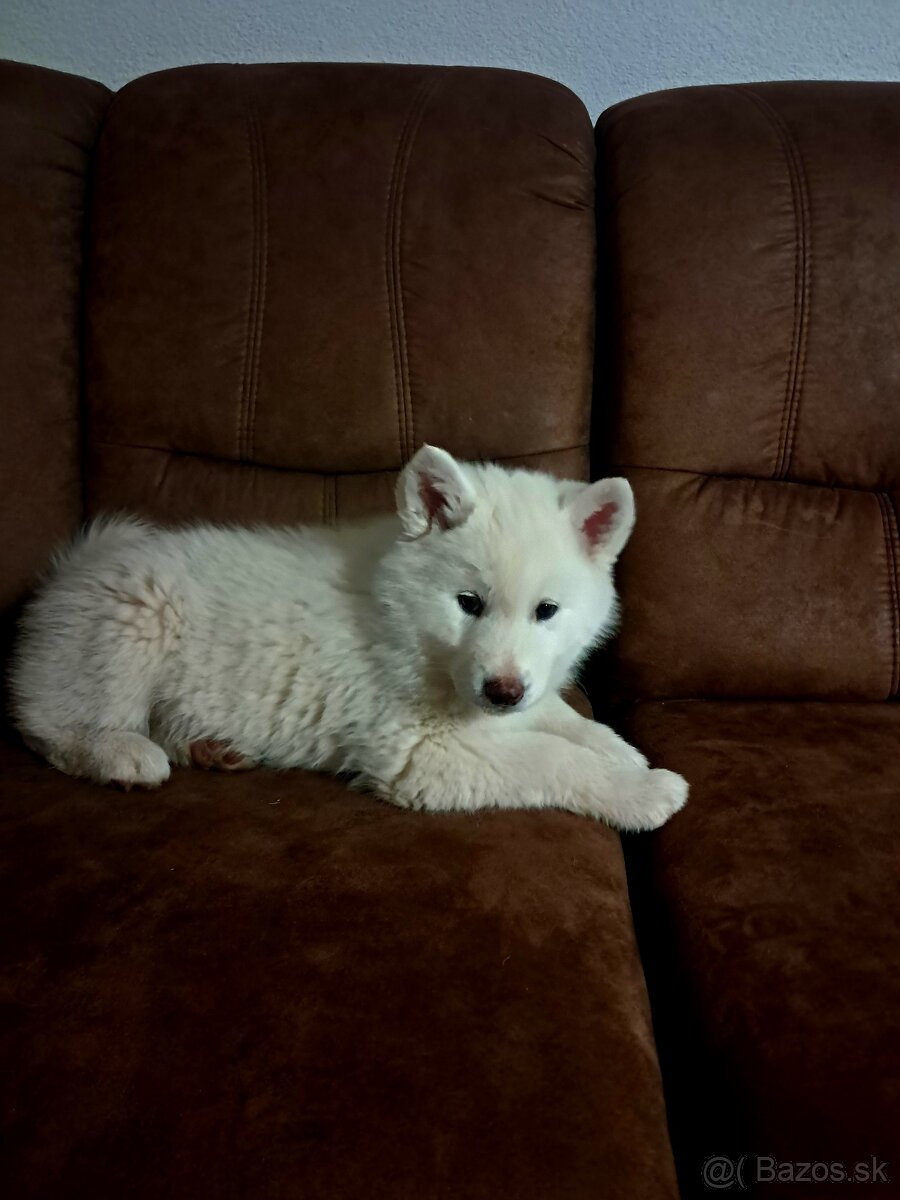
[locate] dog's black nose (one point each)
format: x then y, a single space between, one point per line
504 692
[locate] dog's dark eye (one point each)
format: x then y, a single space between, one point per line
470 603
545 610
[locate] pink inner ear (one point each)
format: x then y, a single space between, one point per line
599 523
435 502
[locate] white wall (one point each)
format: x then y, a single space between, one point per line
603 49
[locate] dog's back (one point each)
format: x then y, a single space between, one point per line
187 633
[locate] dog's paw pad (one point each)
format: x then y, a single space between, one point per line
211 755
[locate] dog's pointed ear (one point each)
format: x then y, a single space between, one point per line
603 514
432 490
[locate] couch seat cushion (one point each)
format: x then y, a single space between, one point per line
265 985
768 918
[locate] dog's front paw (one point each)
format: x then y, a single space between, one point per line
129 760
611 748
631 755
663 794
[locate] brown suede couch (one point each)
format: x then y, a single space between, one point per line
248 293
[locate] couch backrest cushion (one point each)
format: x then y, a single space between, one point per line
752 265
48 127
299 273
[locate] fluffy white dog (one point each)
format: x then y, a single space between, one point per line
422 654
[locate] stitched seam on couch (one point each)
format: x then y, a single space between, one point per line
796 370
735 477
259 259
393 263
83 410
173 453
892 557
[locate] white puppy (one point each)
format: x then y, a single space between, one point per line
422 654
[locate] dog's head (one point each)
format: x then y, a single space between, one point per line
502 578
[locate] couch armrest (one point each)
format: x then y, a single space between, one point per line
48 126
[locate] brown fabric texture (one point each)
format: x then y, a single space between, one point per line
265 985
177 487
747 388
48 126
748 587
769 932
752 284
315 268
